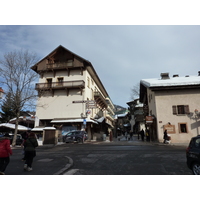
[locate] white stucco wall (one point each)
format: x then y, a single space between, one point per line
163 112
60 105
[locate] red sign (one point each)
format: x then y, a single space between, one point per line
149 119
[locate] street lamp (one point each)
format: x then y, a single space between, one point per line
1 92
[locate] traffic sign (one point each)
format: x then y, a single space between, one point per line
84 121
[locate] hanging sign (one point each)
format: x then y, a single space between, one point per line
149 119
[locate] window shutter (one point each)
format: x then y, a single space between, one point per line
186 109
174 110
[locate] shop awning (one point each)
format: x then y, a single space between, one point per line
100 120
72 121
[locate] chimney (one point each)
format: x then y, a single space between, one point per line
175 75
164 75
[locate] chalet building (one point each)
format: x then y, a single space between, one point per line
137 116
122 124
71 96
172 104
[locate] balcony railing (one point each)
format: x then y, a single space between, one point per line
60 65
100 99
60 85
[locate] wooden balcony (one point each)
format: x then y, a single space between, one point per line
60 85
60 65
100 99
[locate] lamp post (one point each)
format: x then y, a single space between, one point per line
1 93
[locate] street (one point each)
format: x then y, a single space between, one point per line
127 160
104 158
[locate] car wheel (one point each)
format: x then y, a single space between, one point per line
79 140
196 169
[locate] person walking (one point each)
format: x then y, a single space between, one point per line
131 135
29 147
142 134
165 137
24 136
5 152
147 136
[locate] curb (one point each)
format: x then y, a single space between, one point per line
67 166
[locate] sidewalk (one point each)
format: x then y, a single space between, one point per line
134 141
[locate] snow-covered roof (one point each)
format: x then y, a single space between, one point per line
31 118
140 105
122 115
12 126
37 129
172 81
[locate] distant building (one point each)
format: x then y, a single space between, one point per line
137 116
172 103
70 95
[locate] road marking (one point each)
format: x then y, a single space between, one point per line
45 160
71 172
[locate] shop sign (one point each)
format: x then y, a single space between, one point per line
170 128
149 119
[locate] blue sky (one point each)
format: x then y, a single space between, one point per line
125 41
121 55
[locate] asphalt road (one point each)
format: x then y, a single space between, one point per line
127 159
104 158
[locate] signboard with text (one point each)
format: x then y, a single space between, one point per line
170 128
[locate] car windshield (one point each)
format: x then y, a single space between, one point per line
197 143
65 133
70 133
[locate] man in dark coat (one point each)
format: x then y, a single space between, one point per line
142 134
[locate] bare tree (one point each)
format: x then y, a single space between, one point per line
18 79
135 91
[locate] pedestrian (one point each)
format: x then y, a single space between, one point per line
165 137
29 146
126 135
142 134
131 135
5 152
147 136
24 136
138 135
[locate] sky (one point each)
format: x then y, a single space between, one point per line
122 55
125 43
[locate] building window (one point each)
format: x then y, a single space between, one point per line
92 94
182 128
88 82
60 81
180 109
49 82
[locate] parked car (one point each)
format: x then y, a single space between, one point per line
75 136
193 155
19 139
